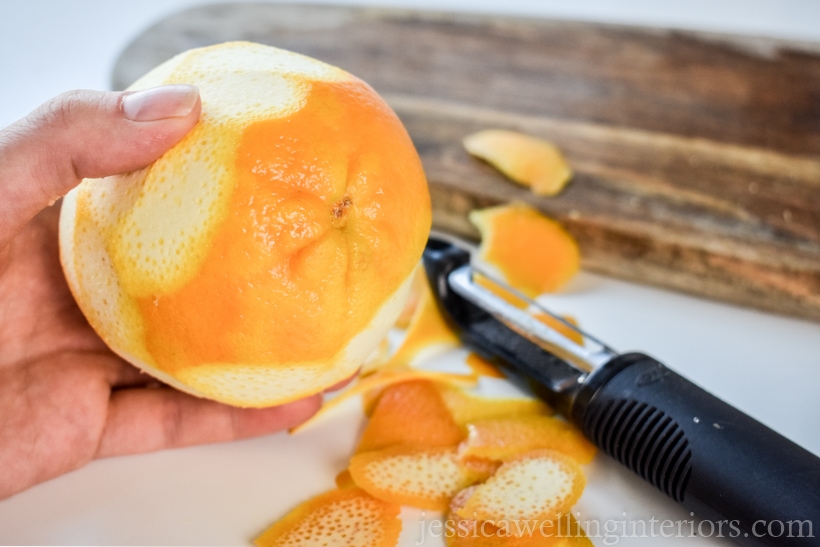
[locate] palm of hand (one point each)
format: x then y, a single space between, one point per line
57 375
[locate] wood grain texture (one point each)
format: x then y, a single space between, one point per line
697 157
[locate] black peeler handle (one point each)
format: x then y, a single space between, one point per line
743 480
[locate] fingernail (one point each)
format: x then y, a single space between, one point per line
158 103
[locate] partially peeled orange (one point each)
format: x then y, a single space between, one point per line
267 254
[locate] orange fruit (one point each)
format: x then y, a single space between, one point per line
264 257
533 253
525 159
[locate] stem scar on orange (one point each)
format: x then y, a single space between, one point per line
265 256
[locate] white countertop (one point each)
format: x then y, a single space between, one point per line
767 366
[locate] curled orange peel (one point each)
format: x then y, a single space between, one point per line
382 379
509 437
537 485
533 253
347 516
344 479
481 367
467 408
422 477
427 329
527 160
417 288
564 531
410 413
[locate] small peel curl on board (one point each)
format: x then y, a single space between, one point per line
527 160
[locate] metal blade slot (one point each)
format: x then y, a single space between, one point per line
586 357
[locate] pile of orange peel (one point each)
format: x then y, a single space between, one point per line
432 441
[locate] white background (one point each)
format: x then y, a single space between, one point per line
768 366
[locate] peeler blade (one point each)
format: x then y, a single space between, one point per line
504 333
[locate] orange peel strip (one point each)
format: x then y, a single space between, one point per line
482 367
417 288
377 359
344 479
481 467
467 408
465 532
427 329
339 517
538 485
423 477
527 160
505 438
381 379
410 413
533 252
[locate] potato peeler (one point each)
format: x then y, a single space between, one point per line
711 458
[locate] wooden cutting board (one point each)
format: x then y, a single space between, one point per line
696 156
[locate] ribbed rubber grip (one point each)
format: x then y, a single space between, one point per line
644 439
716 461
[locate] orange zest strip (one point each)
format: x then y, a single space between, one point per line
339 517
527 160
533 253
482 468
417 288
466 532
427 329
410 413
344 479
423 477
377 359
482 367
467 408
505 438
382 379
538 485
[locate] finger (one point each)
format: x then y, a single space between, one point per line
86 134
144 420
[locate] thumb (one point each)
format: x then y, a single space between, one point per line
83 134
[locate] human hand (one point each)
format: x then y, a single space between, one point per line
65 398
